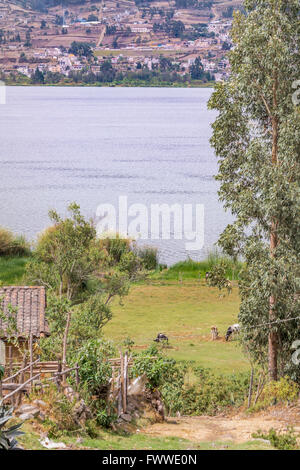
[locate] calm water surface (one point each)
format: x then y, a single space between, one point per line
91 145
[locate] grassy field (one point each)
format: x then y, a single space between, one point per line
176 302
185 312
12 270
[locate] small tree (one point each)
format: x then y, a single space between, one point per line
67 261
65 258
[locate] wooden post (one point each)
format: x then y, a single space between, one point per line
31 358
58 378
21 380
10 369
125 382
122 380
119 396
1 395
10 359
77 375
214 333
113 381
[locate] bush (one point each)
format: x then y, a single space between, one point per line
11 245
104 415
94 369
115 246
209 394
21 246
213 393
283 391
6 241
58 410
157 370
281 441
149 257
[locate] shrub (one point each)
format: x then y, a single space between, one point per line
104 415
60 419
281 441
94 369
11 245
6 241
21 246
214 393
283 391
149 257
8 435
155 365
210 393
115 246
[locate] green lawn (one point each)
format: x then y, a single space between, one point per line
12 270
185 312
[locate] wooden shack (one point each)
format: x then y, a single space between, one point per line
30 305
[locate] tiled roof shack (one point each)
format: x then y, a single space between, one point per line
30 303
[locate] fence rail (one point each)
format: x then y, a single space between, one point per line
37 371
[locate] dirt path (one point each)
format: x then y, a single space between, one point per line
102 34
237 428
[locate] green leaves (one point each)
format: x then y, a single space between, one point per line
256 138
7 436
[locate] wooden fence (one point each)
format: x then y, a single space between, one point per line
120 380
34 374
40 374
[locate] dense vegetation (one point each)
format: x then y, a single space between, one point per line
164 73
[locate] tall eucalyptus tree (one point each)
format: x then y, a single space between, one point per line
257 139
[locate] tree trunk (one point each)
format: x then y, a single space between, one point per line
65 342
273 337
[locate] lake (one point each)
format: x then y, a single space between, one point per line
92 145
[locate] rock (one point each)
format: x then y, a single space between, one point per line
51 444
28 409
126 417
42 416
265 441
70 393
25 416
40 403
138 386
81 413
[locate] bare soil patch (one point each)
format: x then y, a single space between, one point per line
238 428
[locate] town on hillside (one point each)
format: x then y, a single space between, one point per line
83 40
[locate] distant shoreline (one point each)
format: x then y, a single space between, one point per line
107 85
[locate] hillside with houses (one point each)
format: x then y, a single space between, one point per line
135 37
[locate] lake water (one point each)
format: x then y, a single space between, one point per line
92 145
